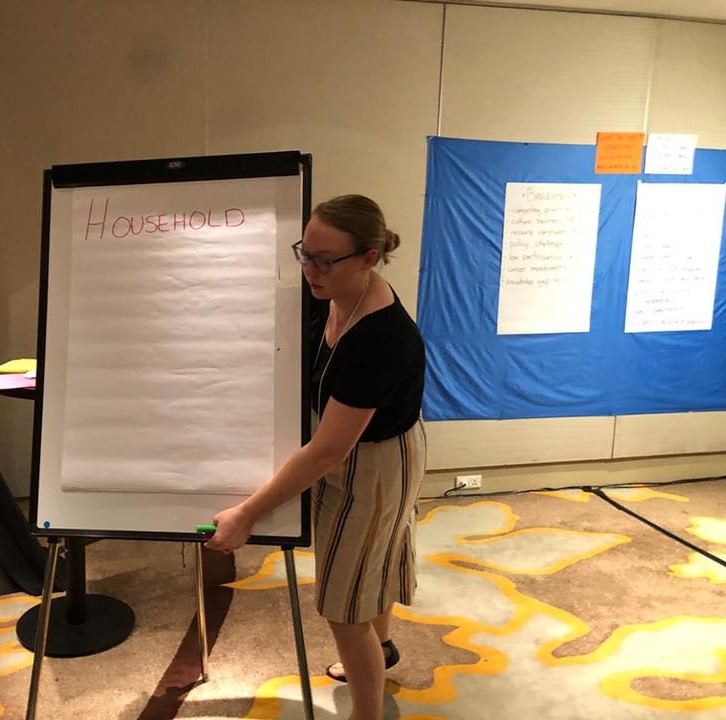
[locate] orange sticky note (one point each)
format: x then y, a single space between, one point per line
619 152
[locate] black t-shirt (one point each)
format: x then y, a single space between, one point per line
378 363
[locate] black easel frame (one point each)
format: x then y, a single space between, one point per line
168 170
69 617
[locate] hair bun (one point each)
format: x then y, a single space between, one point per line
392 241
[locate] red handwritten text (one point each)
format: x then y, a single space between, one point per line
101 224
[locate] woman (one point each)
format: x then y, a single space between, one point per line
367 454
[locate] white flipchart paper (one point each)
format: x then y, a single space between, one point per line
548 257
670 153
674 258
171 338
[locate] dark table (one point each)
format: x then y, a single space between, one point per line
80 624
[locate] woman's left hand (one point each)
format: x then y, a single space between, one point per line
233 530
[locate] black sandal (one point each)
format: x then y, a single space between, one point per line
391 657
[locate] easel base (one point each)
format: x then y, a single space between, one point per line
108 623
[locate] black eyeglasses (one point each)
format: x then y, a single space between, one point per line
322 265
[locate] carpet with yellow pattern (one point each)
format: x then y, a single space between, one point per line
542 606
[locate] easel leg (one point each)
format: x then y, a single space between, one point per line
302 660
42 631
201 612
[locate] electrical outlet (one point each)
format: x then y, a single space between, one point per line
468 482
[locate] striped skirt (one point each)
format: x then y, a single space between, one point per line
364 517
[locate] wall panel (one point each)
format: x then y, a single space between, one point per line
688 92
486 443
543 77
355 84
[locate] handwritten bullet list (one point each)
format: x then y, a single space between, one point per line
674 260
548 247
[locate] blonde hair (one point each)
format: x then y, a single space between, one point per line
361 218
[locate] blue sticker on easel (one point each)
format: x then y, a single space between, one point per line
46 524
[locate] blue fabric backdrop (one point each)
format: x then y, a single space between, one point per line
473 373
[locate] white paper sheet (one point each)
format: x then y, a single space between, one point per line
674 258
548 257
171 338
670 153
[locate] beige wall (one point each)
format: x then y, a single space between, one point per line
702 10
359 84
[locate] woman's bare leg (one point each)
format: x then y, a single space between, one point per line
382 624
360 650
382 627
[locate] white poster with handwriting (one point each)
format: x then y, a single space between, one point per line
670 153
548 257
674 258
171 338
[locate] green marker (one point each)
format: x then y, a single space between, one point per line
207 529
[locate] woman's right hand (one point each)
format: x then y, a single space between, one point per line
233 529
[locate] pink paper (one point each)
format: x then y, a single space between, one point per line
15 381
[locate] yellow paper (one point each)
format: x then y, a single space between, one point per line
22 365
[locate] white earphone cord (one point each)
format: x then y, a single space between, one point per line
322 340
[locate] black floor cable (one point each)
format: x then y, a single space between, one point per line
598 490
457 491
